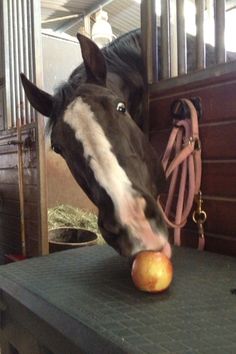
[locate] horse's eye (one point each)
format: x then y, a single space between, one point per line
56 149
121 107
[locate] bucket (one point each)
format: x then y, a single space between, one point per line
64 238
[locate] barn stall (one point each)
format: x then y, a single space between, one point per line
90 289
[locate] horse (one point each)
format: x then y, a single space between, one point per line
95 123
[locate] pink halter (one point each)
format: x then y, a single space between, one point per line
184 143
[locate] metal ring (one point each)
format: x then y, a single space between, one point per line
199 216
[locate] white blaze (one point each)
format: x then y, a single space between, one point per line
129 206
107 171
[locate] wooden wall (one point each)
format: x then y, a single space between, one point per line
218 136
10 227
62 187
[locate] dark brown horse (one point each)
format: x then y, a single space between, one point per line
94 123
96 120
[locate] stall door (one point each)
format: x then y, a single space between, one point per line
216 91
23 209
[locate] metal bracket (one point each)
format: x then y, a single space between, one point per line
26 144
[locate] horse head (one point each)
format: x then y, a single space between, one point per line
107 153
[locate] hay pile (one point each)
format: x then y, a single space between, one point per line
68 216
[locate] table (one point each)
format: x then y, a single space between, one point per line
84 301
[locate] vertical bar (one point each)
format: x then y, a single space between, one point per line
200 42
6 63
40 128
21 187
87 26
26 55
10 63
2 103
31 52
19 38
149 39
15 23
173 40
220 31
181 35
165 39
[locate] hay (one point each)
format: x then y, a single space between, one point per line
68 216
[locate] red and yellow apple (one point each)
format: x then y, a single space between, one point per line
152 271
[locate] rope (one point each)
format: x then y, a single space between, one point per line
184 143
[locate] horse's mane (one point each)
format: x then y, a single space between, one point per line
123 57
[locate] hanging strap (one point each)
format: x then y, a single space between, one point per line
184 144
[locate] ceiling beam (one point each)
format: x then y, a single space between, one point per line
230 5
92 9
96 7
61 18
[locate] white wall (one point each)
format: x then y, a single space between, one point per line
60 58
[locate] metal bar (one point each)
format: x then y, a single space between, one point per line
181 38
30 40
62 18
15 23
68 24
40 128
195 77
200 43
21 188
149 42
26 55
10 64
6 63
11 142
220 31
19 38
31 54
165 39
173 40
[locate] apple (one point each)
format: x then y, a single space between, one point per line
152 271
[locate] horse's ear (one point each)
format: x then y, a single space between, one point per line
94 60
40 100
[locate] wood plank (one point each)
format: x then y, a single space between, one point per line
32 247
220 216
32 230
10 160
213 97
9 223
10 236
218 141
213 141
12 208
11 192
10 176
219 178
213 243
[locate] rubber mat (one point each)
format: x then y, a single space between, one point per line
93 284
